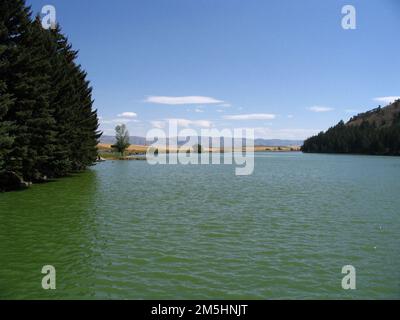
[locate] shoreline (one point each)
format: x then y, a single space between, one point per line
138 152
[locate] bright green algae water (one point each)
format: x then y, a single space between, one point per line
128 230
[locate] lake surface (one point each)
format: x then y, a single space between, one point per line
128 230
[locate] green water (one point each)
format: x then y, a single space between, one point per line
128 230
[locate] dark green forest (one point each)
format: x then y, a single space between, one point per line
376 132
48 128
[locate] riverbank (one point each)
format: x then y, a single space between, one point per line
136 152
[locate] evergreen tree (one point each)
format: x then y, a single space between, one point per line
41 126
14 23
364 138
31 112
77 125
6 99
47 125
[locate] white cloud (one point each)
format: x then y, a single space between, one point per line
225 105
203 123
182 100
186 123
197 123
320 109
127 115
387 100
198 110
254 116
158 124
290 116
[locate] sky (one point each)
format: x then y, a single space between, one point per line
287 69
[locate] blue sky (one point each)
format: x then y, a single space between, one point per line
286 68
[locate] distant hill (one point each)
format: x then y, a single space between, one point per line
380 117
258 142
373 132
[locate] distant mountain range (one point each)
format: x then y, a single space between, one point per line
278 143
258 142
132 139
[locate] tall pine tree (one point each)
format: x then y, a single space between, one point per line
47 125
6 100
14 23
77 124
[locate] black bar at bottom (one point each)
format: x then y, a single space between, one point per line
223 309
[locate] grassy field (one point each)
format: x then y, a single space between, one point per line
107 153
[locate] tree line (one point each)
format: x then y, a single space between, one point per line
48 127
365 138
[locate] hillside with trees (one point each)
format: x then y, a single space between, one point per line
48 128
376 132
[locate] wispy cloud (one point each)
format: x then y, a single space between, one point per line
182 100
186 123
254 116
198 110
127 115
387 100
158 124
320 109
197 123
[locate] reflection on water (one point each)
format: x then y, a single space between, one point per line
130 230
